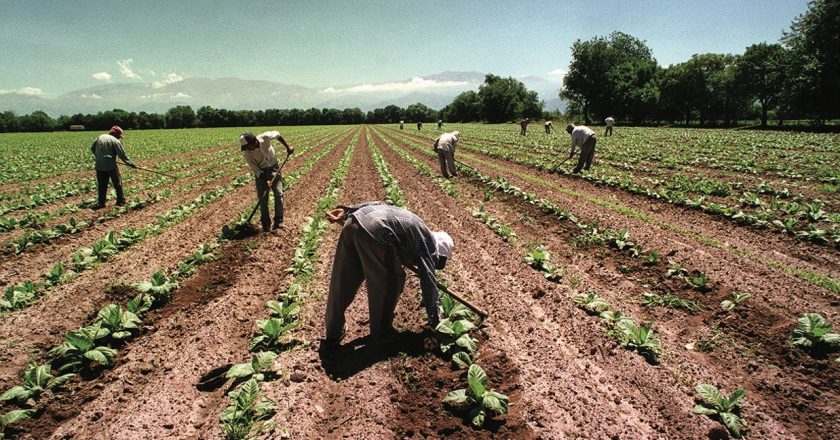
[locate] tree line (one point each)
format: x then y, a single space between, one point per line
497 100
797 78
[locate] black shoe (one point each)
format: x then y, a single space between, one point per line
277 226
120 203
97 207
335 341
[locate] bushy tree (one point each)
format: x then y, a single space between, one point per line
419 113
181 116
760 75
506 99
464 108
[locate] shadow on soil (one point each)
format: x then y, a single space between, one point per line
343 361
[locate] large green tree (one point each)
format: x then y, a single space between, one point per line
464 108
181 116
507 99
611 75
814 71
760 75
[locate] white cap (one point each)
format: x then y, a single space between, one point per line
242 141
457 134
444 244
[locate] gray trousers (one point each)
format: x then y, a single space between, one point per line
587 153
359 257
447 162
277 189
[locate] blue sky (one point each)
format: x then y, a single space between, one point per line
52 47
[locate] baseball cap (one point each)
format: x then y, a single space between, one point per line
246 138
116 132
443 243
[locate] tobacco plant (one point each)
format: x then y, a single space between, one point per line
813 332
271 331
36 380
119 322
641 339
591 303
160 287
477 400
726 409
260 367
455 336
249 414
80 349
728 305
13 417
540 259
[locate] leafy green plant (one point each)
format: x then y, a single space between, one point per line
19 296
248 414
592 303
36 380
728 305
160 287
59 274
699 281
675 270
621 241
540 259
14 417
203 254
453 310
270 333
286 311
726 409
455 337
80 349
651 258
786 225
813 332
121 323
260 367
641 339
479 401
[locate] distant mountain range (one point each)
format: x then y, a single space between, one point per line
435 91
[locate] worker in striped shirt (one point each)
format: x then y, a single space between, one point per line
376 241
583 137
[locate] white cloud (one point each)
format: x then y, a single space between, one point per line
558 72
91 96
416 83
31 91
125 68
181 95
170 78
102 76
152 72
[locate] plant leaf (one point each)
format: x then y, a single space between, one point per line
457 397
710 395
240 370
477 380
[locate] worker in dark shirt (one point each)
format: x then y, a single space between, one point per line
377 240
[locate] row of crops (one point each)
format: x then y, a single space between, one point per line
640 307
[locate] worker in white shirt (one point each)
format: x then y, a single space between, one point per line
610 121
259 154
401 124
547 127
585 138
444 146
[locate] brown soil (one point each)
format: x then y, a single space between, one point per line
565 377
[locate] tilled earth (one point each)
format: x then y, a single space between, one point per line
565 376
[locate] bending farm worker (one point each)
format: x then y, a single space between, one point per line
260 156
401 124
585 138
376 241
547 127
106 148
610 121
444 146
440 124
523 124
419 125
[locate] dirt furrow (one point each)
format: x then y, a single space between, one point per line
152 393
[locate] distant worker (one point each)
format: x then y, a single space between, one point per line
419 125
584 137
547 127
401 124
610 121
523 123
444 146
376 241
260 156
440 124
106 148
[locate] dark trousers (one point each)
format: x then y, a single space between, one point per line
447 163
102 178
277 190
587 153
547 129
359 257
522 132
608 131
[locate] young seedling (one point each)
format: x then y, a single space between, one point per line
160 287
80 349
14 417
654 300
260 367
478 400
19 296
727 410
455 336
699 282
540 259
641 339
651 258
36 380
59 274
271 330
121 323
675 270
813 332
248 414
592 303
728 305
